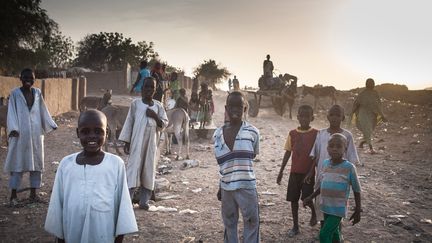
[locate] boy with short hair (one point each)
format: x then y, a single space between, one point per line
141 133
235 145
28 119
90 200
337 175
319 153
299 143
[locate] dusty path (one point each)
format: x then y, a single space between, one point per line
397 181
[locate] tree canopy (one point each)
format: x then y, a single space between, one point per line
29 38
95 51
211 72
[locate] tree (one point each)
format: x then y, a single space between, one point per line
24 26
211 72
111 49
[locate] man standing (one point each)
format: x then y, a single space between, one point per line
28 119
268 67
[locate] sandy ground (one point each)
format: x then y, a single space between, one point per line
396 181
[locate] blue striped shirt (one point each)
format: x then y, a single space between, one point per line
335 181
236 167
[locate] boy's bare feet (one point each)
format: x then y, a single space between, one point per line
293 232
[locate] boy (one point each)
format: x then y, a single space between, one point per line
28 119
141 132
90 200
299 142
236 144
319 153
335 180
143 73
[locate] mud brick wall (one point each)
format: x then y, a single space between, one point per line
115 80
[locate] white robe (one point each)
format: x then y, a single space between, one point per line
143 134
90 203
26 152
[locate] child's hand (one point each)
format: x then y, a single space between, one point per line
14 134
307 179
126 148
356 216
151 113
219 195
279 178
307 201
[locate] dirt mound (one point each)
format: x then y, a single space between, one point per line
401 93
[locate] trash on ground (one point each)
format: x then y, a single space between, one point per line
153 208
427 221
197 190
190 163
397 216
162 184
188 211
166 197
268 193
55 162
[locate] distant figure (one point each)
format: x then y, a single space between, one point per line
206 105
229 84
268 67
28 120
174 85
193 107
90 199
141 132
182 100
156 73
367 112
236 84
143 73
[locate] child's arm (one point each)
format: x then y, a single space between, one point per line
356 216
136 82
284 163
311 172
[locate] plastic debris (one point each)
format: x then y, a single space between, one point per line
153 208
188 211
197 190
427 221
190 163
167 197
397 216
55 162
268 193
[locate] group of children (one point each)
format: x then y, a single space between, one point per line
322 169
91 196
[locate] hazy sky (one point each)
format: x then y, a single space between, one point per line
332 42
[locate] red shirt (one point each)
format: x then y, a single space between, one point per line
300 143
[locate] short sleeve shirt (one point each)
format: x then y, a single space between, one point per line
300 143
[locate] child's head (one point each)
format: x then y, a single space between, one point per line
305 115
143 64
204 86
268 57
336 146
235 106
27 77
335 116
92 130
194 96
148 89
182 92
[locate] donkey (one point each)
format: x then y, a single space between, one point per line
116 117
318 92
95 102
178 122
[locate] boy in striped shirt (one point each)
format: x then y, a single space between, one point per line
335 180
235 145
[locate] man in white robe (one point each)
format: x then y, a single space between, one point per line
90 203
28 119
142 133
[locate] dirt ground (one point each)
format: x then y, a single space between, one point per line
396 181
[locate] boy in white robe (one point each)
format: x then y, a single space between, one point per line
90 199
141 132
28 119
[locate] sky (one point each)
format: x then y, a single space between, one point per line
332 42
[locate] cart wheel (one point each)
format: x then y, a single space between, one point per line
279 105
253 108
